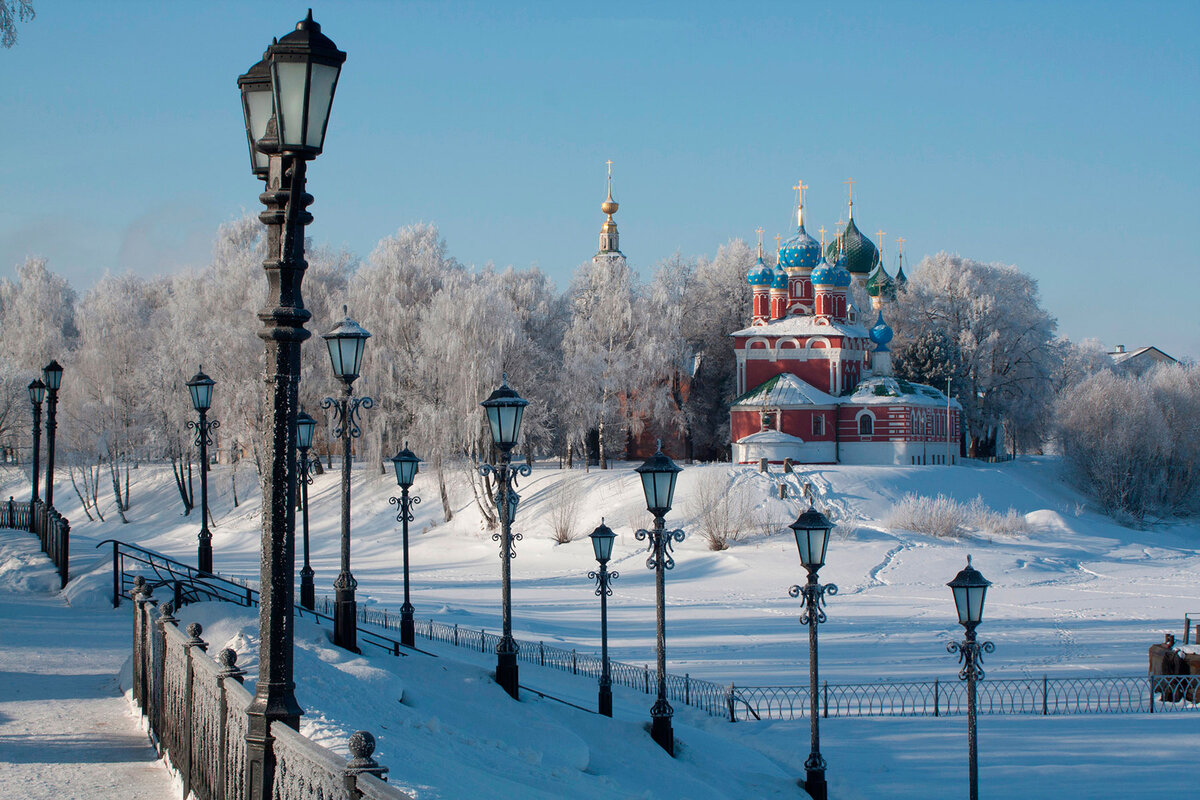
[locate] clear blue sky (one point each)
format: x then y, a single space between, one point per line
1060 137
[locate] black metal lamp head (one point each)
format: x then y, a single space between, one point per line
407 464
37 392
970 589
305 425
602 542
52 372
346 344
658 481
200 387
304 66
257 107
812 530
505 408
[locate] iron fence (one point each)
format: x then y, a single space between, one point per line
51 528
196 707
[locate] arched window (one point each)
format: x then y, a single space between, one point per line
866 425
818 427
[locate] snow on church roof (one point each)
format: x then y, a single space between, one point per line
770 437
785 391
803 325
889 391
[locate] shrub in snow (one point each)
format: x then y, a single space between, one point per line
936 516
564 510
1133 442
724 510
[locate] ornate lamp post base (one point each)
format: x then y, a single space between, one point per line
408 629
506 671
660 728
345 614
308 592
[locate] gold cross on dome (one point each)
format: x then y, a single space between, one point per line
778 237
759 231
800 187
609 163
821 231
850 183
899 244
880 234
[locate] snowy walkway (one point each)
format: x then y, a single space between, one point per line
66 731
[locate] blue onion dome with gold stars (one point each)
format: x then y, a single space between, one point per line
825 274
759 274
861 254
779 278
801 251
880 333
880 284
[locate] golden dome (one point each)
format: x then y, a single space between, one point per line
609 206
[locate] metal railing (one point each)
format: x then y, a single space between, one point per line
189 585
196 707
51 528
1043 696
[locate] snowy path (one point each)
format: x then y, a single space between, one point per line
66 731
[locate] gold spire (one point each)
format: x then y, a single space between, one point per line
777 239
880 234
900 251
800 187
821 231
759 231
850 183
609 206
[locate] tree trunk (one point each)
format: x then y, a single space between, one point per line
114 472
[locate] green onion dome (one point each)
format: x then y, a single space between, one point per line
861 254
880 284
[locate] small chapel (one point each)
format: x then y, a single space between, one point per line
814 383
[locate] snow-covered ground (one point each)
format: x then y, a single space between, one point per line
1073 594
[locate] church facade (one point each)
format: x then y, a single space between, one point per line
814 383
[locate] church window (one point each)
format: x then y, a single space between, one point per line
866 425
818 425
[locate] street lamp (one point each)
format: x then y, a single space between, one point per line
602 543
305 425
291 62
346 344
201 387
812 530
37 393
505 408
970 589
658 484
52 373
406 464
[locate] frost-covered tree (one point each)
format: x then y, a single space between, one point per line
37 316
1132 441
665 353
12 12
999 337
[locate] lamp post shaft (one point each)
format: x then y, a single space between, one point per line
506 651
661 712
605 699
51 429
37 445
814 767
345 622
204 552
972 750
407 625
283 331
308 595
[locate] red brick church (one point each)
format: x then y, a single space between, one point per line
814 383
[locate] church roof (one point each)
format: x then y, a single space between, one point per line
889 391
785 391
770 437
803 325
861 253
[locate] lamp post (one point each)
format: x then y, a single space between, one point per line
505 408
52 373
970 589
812 530
406 464
286 98
305 425
602 543
658 484
37 393
200 387
346 343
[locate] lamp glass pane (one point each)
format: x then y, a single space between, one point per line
304 433
975 597
602 545
53 377
37 392
493 415
648 489
518 412
406 471
818 540
664 488
290 77
960 603
259 108
320 97
352 352
335 356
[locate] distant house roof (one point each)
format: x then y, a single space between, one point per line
785 391
1143 355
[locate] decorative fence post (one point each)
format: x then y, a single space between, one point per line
227 658
361 745
116 574
194 629
158 655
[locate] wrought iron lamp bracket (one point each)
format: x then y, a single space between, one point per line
347 411
604 578
406 514
659 545
203 430
970 655
812 599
